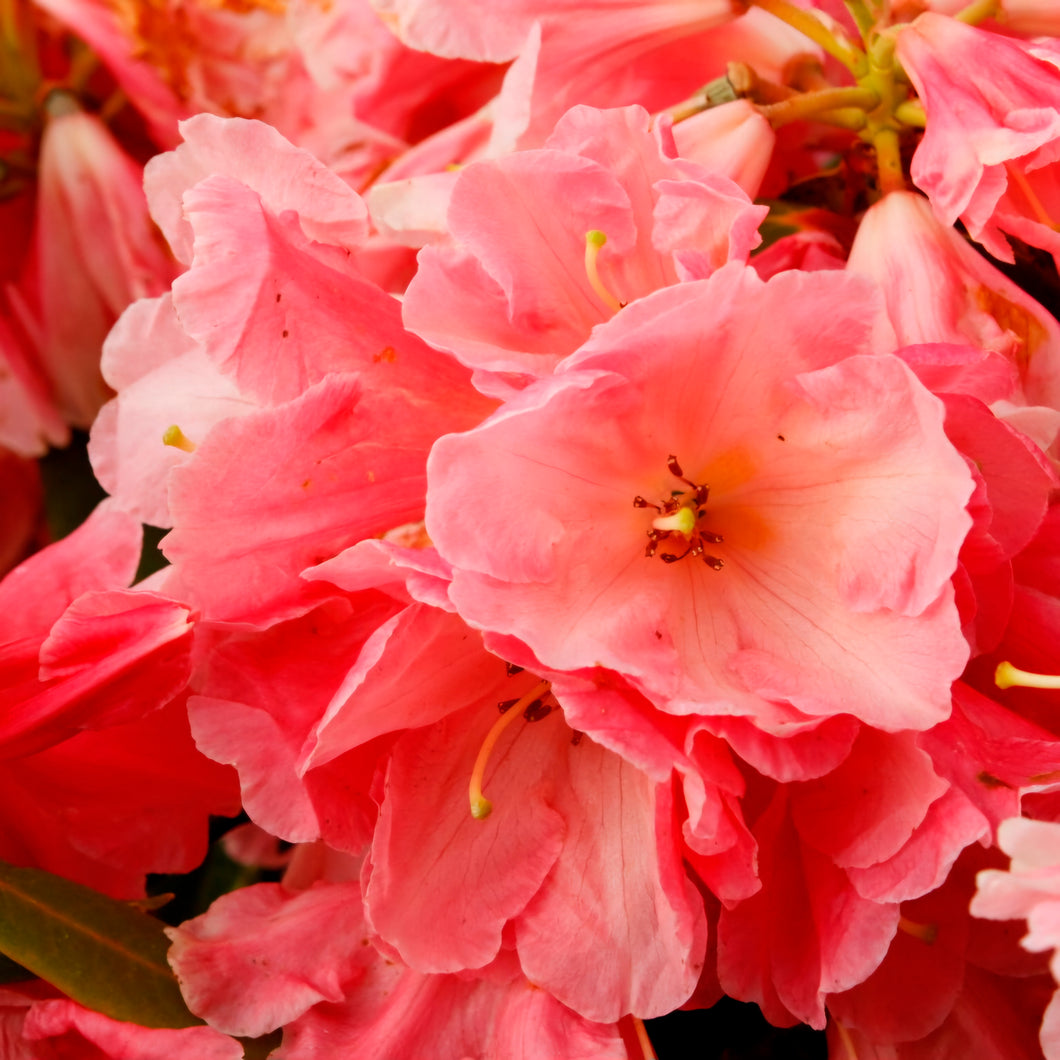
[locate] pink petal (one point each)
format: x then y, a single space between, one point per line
287 951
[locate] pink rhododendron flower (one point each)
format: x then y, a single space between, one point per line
330 77
95 251
989 153
306 960
880 829
447 28
415 706
93 747
717 500
1030 18
35 1026
733 139
523 265
655 61
990 753
938 289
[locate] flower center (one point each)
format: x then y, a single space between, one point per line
678 520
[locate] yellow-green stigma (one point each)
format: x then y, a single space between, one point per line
1008 676
594 241
176 438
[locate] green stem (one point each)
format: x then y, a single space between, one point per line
816 104
862 16
889 160
911 113
978 11
851 57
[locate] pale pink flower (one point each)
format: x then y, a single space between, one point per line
163 378
989 154
715 498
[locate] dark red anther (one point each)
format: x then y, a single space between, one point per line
537 710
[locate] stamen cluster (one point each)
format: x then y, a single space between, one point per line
680 515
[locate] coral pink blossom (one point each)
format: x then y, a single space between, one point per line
79 651
302 481
733 139
990 753
515 291
808 933
57 1029
1030 18
95 251
989 154
992 1016
296 949
306 960
616 61
567 815
94 750
261 695
717 500
447 28
939 290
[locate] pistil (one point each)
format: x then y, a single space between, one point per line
481 807
1008 676
176 438
594 241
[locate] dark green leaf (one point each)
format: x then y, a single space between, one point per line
97 950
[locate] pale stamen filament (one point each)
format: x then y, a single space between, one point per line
925 932
1020 178
1006 676
481 807
848 1042
594 241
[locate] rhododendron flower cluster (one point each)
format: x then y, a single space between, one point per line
605 462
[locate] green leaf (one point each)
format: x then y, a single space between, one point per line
97 950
